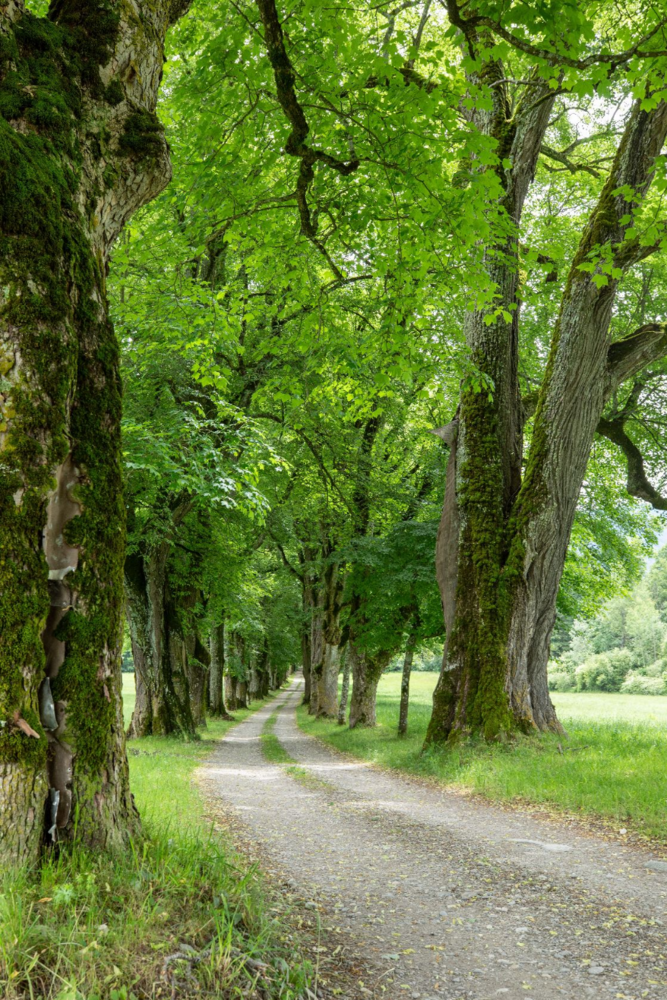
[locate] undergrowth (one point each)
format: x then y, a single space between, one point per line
178 915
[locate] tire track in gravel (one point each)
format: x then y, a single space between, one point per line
445 897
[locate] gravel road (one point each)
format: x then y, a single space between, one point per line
441 896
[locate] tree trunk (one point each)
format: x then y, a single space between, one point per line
577 384
263 671
345 690
405 683
139 621
230 692
242 694
305 666
511 550
366 673
71 177
325 675
317 647
327 682
197 666
305 559
157 636
216 685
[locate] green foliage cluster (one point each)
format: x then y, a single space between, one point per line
622 647
284 364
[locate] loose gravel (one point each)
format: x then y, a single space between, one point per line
441 896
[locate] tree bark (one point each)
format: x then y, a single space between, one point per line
317 647
367 670
405 683
327 682
239 672
159 648
570 405
242 694
216 686
197 665
327 666
230 693
511 547
345 689
81 149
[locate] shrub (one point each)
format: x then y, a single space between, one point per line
560 680
604 671
656 669
636 683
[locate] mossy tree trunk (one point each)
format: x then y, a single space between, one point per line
502 542
160 647
345 688
230 692
265 673
317 649
217 705
305 665
324 685
239 671
367 669
81 149
189 659
140 621
306 634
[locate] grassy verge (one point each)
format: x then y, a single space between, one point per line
97 927
613 765
275 752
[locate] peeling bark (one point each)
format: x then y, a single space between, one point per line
70 179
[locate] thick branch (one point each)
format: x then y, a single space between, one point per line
284 558
631 355
469 26
296 145
625 359
637 484
553 154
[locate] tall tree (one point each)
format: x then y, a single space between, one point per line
81 149
505 530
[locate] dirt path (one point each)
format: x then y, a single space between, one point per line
445 897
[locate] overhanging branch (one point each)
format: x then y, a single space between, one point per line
631 355
637 484
470 25
296 145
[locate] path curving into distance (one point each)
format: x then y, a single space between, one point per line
443 896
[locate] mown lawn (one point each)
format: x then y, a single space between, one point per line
99 926
613 763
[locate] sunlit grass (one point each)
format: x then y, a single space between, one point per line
613 763
98 927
